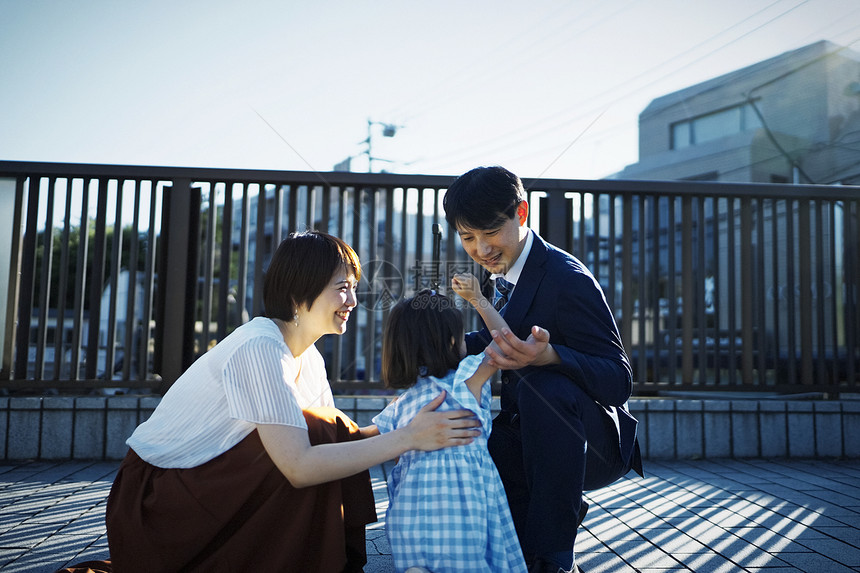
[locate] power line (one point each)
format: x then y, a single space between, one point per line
452 93
557 125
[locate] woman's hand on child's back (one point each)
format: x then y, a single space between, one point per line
431 430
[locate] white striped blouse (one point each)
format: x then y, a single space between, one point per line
248 378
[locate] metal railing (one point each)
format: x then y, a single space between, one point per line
120 276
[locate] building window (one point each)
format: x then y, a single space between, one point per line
714 126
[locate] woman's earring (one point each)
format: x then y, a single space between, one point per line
296 319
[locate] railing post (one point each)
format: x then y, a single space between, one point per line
11 219
177 281
556 225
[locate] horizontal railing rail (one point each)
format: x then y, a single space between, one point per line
118 277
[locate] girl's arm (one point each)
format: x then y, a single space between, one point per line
306 465
467 286
368 431
475 382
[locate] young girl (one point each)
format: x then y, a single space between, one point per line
448 511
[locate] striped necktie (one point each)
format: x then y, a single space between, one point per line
503 290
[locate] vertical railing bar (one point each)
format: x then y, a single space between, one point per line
388 245
225 260
278 217
28 279
717 291
851 266
419 229
687 289
404 239
655 288
731 276
326 208
116 256
701 276
747 302
776 252
790 284
96 280
208 255
244 239
372 314
671 294
293 207
45 281
131 301
435 265
582 243
62 289
834 322
611 257
641 281
352 334
259 250
595 233
310 208
821 319
149 283
454 254
7 368
760 301
627 279
804 235
80 281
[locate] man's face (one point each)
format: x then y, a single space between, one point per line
497 249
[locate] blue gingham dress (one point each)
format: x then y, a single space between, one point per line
447 509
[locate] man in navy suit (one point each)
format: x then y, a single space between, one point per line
564 426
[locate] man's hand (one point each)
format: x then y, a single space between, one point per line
511 353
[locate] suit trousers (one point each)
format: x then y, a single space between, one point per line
550 443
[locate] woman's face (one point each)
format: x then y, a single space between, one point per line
330 310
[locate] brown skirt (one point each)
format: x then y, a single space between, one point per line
237 512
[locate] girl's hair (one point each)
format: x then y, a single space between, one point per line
301 267
422 337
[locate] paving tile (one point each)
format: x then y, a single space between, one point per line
767 540
49 556
706 562
815 563
835 549
27 535
603 562
702 516
787 569
850 534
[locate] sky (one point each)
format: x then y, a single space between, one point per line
546 88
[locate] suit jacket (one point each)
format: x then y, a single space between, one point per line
557 292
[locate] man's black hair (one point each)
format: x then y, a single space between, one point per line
483 198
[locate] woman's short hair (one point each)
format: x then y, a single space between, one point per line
302 266
483 198
422 337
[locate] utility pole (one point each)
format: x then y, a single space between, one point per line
388 130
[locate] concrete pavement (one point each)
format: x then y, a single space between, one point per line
723 515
